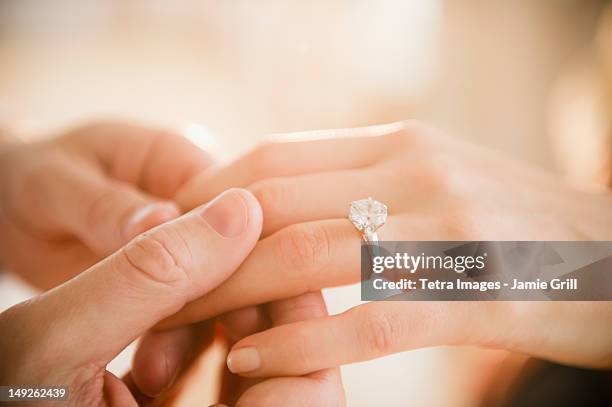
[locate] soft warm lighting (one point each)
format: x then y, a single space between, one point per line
203 137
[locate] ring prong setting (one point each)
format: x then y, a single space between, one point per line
367 215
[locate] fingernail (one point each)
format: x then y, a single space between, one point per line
243 360
148 216
218 405
227 213
173 358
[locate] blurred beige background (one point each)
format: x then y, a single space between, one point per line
228 73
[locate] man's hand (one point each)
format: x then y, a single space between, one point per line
68 335
67 202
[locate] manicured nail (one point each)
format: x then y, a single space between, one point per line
149 216
243 360
227 213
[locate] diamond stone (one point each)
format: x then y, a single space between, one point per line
368 215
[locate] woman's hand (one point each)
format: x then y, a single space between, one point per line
67 202
436 189
66 336
321 388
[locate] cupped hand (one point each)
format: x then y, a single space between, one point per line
66 336
68 201
436 188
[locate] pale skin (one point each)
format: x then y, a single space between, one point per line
308 244
436 188
69 334
85 202
78 197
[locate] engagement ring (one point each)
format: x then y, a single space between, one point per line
368 215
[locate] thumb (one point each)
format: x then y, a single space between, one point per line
111 304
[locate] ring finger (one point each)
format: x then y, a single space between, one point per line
291 200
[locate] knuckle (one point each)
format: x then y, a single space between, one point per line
398 139
303 356
379 332
103 205
459 224
413 135
99 208
156 256
433 175
262 160
436 175
304 247
273 195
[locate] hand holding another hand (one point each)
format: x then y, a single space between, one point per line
68 335
84 198
70 201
